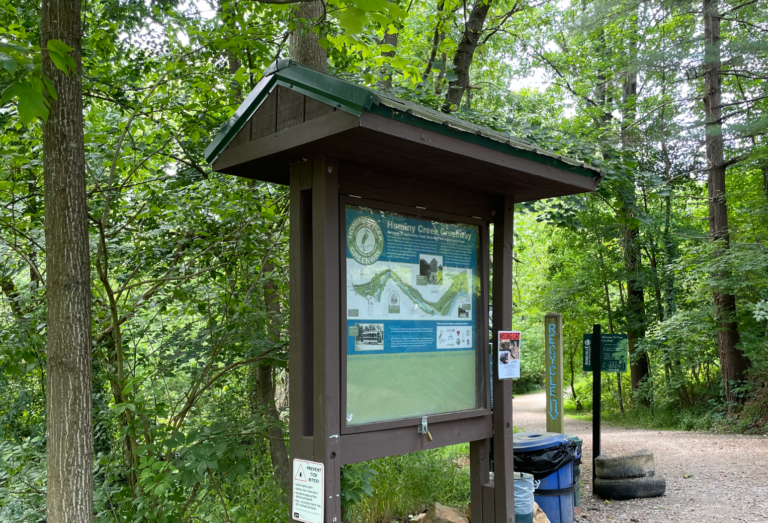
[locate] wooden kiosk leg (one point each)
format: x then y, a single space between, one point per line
315 343
325 248
479 466
504 493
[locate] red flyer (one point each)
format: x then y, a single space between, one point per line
509 355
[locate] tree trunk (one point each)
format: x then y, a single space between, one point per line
733 362
436 40
573 387
68 405
265 390
465 52
764 168
639 366
670 250
389 39
304 42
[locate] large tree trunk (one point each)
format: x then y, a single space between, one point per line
68 406
636 320
640 365
733 362
465 52
265 389
304 41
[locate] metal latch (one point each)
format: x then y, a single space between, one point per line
423 429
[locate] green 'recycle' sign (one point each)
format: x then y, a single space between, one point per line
613 353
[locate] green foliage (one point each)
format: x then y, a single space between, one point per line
405 485
22 480
356 484
183 256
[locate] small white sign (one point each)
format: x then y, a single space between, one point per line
308 491
509 355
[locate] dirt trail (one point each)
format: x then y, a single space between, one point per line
728 474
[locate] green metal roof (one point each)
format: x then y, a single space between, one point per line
354 99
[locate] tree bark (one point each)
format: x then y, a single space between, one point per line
437 38
670 250
389 39
639 366
636 320
733 363
68 405
265 390
465 52
764 168
304 42
579 406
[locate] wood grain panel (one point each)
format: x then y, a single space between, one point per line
290 108
244 136
315 109
264 120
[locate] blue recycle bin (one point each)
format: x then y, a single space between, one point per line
555 492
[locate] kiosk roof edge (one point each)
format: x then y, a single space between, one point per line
320 126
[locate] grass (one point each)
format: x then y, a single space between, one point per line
581 415
406 485
700 418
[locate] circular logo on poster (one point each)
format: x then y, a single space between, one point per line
365 240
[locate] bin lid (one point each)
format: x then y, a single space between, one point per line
530 441
577 440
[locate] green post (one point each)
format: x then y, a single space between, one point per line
553 343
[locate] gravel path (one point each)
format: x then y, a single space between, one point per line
728 475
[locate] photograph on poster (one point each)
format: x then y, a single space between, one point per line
370 336
509 355
430 269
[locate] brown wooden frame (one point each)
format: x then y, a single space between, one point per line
330 141
319 193
481 315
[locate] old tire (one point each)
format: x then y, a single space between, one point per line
637 465
630 488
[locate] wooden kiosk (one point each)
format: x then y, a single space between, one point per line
391 204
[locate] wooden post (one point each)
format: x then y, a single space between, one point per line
315 343
596 393
327 308
301 319
479 467
504 467
553 338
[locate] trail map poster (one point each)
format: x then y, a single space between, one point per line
411 292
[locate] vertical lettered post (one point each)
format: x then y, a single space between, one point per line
553 344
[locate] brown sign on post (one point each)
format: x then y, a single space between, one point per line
391 207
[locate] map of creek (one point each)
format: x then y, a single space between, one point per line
457 289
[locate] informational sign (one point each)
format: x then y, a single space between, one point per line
308 491
553 343
509 355
613 352
412 287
